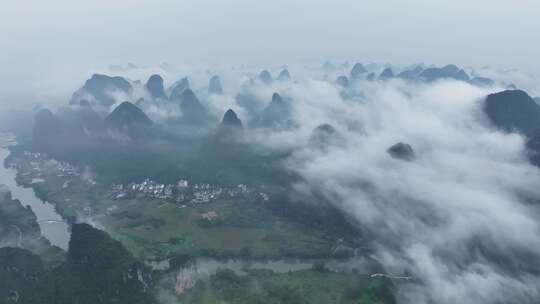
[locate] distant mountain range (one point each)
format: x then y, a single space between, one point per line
448 72
100 90
417 73
91 117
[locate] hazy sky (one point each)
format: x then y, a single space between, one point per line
49 39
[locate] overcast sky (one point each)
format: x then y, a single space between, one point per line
48 39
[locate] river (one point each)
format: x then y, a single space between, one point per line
53 226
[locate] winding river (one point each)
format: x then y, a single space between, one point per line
53 226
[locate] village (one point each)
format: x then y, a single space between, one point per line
183 191
41 165
39 168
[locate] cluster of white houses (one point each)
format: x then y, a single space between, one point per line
182 191
40 165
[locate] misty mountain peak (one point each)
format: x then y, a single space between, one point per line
101 87
411 74
276 113
448 72
450 69
533 149
99 81
357 70
265 77
401 151
214 85
154 85
192 109
325 135
126 115
386 74
230 129
179 88
513 110
343 81
189 96
44 115
462 75
276 98
230 119
482 82
284 75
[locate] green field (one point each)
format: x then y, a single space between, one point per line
309 287
156 229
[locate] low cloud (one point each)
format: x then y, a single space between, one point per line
456 217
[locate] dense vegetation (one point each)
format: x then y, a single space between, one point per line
98 270
302 287
18 227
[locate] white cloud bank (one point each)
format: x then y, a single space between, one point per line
456 217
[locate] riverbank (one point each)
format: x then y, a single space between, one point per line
52 225
19 228
157 229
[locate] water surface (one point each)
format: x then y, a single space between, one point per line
53 226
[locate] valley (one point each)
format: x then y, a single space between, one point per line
270 208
